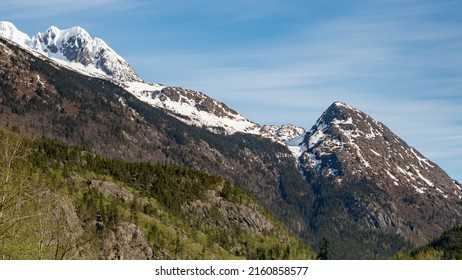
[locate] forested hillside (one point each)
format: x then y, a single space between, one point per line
446 247
62 202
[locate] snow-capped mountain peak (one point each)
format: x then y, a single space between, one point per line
76 45
348 145
9 31
73 48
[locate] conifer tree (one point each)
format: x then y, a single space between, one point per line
324 252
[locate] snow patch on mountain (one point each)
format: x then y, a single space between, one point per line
421 159
419 189
286 132
317 134
296 145
428 182
391 175
289 135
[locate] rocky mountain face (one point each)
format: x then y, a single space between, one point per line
348 179
365 176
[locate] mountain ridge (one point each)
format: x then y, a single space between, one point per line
76 49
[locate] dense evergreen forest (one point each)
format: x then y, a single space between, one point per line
62 202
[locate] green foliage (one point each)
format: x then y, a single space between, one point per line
33 220
75 213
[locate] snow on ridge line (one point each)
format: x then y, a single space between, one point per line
39 45
89 70
149 93
140 89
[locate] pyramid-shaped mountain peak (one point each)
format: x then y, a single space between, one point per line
348 146
362 171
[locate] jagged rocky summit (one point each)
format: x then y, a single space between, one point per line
74 47
348 145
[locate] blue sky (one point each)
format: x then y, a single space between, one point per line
280 62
